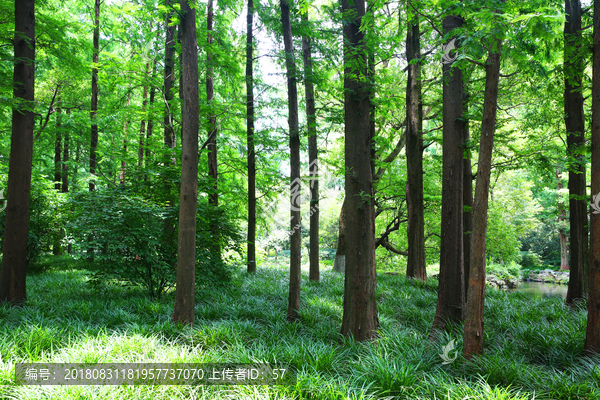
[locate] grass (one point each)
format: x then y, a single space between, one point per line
532 347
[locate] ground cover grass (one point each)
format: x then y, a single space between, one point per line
533 347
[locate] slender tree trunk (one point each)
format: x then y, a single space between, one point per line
467 192
451 291
473 335
339 264
213 198
14 255
183 311
57 150
415 267
250 141
574 121
150 117
94 107
311 123
169 78
592 336
143 123
65 163
125 128
295 183
360 310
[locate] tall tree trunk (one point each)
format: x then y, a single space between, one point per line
592 335
473 335
339 264
94 107
213 198
183 311
451 291
467 191
125 127
169 78
57 150
311 124
574 121
14 254
360 310
295 183
143 123
65 163
250 141
150 117
416 267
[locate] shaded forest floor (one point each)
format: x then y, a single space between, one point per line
533 347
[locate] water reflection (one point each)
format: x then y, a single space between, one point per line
538 290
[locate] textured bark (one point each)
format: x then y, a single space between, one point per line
213 197
339 264
183 311
592 336
94 105
250 141
451 291
473 335
360 310
14 254
311 122
415 267
295 184
143 122
574 121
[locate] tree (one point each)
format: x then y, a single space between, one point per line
94 106
14 254
574 121
311 124
451 298
183 312
360 310
169 78
415 267
295 183
250 142
473 334
213 198
592 336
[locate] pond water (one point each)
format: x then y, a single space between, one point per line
538 290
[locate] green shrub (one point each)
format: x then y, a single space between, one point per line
530 260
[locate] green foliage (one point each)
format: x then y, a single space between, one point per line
530 260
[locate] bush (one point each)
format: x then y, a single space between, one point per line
530 260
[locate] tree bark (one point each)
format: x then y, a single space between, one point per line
451 291
360 310
467 191
311 123
150 117
250 141
473 334
213 197
295 183
574 121
14 255
592 335
169 78
562 216
58 150
94 106
183 311
125 127
415 267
